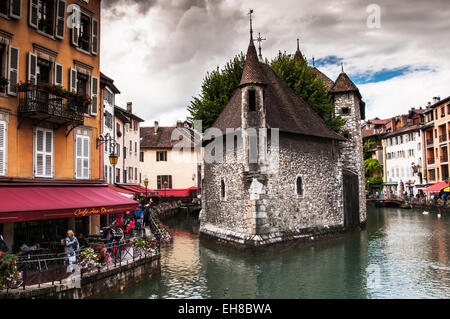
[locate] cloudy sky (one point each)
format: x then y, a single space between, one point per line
158 51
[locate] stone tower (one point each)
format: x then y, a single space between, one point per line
349 105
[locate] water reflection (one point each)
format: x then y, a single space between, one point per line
409 249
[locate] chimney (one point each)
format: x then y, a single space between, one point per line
130 107
156 127
436 99
403 120
179 124
393 124
429 104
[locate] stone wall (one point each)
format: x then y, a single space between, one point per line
352 150
278 214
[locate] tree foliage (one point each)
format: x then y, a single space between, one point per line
371 166
219 86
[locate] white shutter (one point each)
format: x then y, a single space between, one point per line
32 68
33 13
73 80
2 147
82 157
75 25
94 46
60 18
13 63
43 153
15 9
94 95
58 74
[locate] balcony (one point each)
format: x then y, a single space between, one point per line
442 138
43 104
430 142
444 159
430 161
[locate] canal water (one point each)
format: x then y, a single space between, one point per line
401 254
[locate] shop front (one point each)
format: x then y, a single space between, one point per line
42 214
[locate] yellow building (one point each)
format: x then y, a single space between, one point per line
49 123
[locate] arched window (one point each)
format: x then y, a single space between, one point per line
251 100
222 189
299 186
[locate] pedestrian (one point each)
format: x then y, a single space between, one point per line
3 246
71 246
377 194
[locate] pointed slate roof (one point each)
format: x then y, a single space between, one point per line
344 84
251 73
284 109
326 80
298 56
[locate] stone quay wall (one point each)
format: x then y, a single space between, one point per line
94 284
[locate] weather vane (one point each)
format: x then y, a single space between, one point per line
259 39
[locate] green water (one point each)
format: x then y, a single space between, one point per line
400 254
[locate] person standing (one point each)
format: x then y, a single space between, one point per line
71 246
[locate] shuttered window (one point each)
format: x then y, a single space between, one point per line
94 47
82 150
16 9
58 74
32 68
43 159
33 13
94 95
13 63
60 16
164 181
3 148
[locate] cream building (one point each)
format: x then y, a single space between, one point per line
168 157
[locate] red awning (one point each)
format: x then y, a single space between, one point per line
120 190
171 193
436 187
25 203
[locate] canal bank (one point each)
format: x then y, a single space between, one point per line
400 254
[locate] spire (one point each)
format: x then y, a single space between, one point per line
314 62
251 73
342 67
298 56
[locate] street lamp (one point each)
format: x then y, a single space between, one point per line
113 157
146 184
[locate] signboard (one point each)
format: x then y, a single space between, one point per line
447 189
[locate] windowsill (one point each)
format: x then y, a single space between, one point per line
45 34
2 15
84 51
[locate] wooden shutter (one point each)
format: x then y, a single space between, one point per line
58 74
75 32
32 68
33 14
94 46
16 9
60 19
43 153
94 95
157 157
13 63
2 147
82 157
73 79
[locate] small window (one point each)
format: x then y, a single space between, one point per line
251 100
222 189
346 135
345 110
141 156
161 156
299 186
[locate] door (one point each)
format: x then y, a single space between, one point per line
351 200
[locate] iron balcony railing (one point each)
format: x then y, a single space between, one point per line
39 103
444 159
430 161
430 142
442 138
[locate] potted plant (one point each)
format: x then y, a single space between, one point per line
24 86
10 277
3 83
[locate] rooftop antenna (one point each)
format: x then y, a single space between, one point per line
259 39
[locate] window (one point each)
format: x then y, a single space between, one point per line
43 158
131 147
108 119
4 7
135 173
3 56
118 175
135 148
108 97
82 157
161 156
251 100
84 33
164 181
141 156
223 194
45 16
82 83
443 111
299 186
346 135
105 173
118 149
3 147
345 110
111 178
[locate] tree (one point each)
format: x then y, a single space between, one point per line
371 166
219 86
366 147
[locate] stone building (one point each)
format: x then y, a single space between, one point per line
310 181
